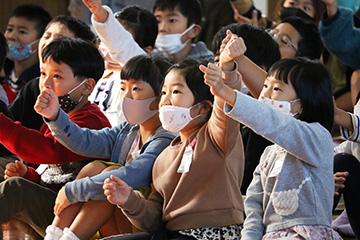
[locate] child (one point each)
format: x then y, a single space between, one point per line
23 106
133 144
202 164
25 27
293 186
137 27
71 80
179 23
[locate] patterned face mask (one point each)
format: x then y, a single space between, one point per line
18 52
66 103
282 106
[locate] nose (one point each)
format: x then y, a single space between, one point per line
46 82
266 92
164 101
162 27
128 94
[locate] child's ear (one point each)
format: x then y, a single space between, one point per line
194 32
148 49
205 107
89 86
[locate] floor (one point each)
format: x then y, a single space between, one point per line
10 233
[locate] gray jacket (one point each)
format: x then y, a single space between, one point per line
293 183
108 143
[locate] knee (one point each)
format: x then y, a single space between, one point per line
91 169
345 162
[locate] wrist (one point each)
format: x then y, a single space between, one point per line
101 15
331 9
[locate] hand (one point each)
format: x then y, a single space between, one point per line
331 7
340 178
242 19
61 202
116 190
95 7
17 169
47 104
234 48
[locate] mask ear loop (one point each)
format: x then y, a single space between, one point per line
77 88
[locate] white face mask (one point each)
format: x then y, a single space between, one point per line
137 111
171 43
174 119
282 106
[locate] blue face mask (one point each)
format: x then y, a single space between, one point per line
353 4
18 52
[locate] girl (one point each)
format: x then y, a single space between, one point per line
134 144
291 193
197 179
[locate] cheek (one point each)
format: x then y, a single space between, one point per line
287 52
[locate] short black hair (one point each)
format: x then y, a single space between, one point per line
262 49
148 68
82 57
310 44
76 26
35 14
312 84
3 50
141 22
189 69
190 9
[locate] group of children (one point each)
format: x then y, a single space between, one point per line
174 168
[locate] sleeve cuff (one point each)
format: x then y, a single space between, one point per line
352 135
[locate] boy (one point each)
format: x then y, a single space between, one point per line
179 23
29 195
25 27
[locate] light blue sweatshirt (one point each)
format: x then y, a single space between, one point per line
293 183
108 143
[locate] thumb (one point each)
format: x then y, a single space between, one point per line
254 17
202 68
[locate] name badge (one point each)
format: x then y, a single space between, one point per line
187 158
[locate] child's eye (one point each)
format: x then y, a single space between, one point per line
136 89
57 76
277 89
42 74
9 29
265 86
23 32
307 9
176 92
122 89
163 93
173 20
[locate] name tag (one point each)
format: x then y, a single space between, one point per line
187 158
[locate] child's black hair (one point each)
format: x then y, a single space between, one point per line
82 57
35 14
141 23
148 68
189 69
312 84
190 9
261 48
76 26
310 44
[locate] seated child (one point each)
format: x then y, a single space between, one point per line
137 27
28 194
291 193
203 163
131 146
23 106
25 27
179 23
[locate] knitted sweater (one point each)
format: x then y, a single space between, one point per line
293 183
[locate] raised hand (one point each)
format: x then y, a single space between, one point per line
47 104
17 169
116 190
95 7
331 7
340 178
242 19
61 202
234 48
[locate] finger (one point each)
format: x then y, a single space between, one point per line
11 167
117 180
202 68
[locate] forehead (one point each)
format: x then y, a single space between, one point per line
303 2
288 30
60 29
168 13
174 78
22 22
